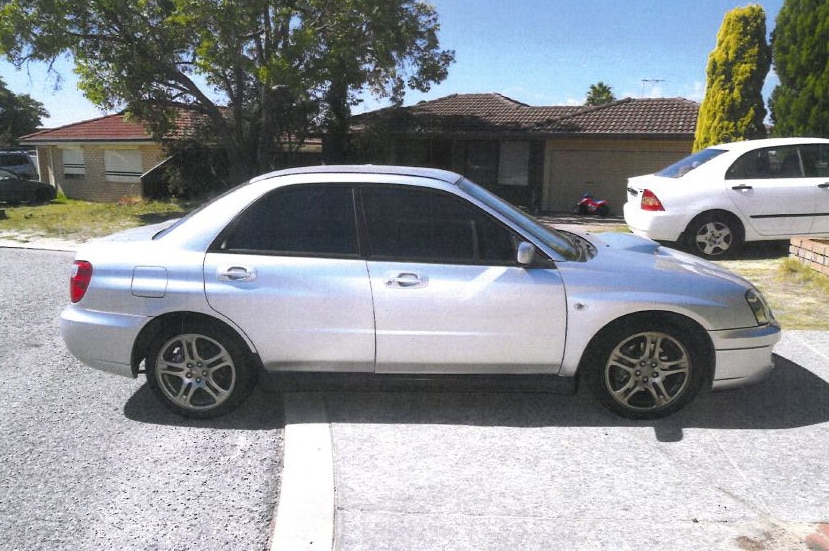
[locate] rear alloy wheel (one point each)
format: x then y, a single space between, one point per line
200 371
714 237
645 371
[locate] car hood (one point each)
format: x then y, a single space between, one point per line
632 270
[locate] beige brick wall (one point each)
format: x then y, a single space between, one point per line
94 186
812 253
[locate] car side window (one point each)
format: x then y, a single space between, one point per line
316 220
767 163
815 159
432 226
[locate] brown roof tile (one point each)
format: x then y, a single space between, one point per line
494 112
110 128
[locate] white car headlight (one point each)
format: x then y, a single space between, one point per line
759 307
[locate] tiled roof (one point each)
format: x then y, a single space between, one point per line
496 113
110 128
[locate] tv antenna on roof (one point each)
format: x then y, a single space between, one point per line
650 81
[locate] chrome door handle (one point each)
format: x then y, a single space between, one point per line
406 280
236 273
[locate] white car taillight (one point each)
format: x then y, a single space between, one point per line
79 282
650 201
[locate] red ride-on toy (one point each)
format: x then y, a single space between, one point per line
590 205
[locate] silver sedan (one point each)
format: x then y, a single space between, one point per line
398 271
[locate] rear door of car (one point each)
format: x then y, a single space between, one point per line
288 272
448 294
768 186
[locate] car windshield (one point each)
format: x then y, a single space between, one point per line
689 163
552 238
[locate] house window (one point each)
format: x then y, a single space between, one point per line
123 165
504 163
514 164
73 165
482 161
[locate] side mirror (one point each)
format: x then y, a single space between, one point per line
526 253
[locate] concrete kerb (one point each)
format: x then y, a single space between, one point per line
304 518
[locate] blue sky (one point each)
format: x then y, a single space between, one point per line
540 52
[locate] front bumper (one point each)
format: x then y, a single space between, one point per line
744 356
102 340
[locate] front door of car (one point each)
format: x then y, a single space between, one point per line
816 167
288 272
448 294
768 186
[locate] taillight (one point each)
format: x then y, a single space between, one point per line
650 201
79 282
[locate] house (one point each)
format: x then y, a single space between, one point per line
542 157
101 159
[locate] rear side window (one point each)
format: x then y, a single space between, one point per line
430 226
314 220
686 165
767 163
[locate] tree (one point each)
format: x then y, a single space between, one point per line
800 47
733 109
19 115
599 94
263 72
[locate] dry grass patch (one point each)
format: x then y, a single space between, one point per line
798 295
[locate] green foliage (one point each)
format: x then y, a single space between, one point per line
274 69
732 109
800 45
19 115
599 94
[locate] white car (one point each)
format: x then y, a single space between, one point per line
715 200
405 272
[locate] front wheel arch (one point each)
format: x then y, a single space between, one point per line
693 336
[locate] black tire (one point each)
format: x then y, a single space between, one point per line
646 369
714 236
603 210
199 370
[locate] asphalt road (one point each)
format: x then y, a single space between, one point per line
90 461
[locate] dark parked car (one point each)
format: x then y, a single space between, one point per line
18 162
15 189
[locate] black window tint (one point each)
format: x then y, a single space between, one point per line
815 159
307 220
431 226
771 162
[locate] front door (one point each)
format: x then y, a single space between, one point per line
448 294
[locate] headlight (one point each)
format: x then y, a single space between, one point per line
761 310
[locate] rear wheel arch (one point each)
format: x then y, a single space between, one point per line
161 324
732 220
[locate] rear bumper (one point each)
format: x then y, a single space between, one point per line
656 225
744 356
101 340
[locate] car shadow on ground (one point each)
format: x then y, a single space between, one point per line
261 411
791 397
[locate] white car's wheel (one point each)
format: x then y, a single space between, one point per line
199 370
714 237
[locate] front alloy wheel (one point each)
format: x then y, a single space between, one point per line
645 372
199 373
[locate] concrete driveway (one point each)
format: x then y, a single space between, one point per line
743 469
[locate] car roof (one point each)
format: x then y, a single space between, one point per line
748 145
420 172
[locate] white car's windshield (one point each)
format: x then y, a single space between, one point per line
553 239
689 163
